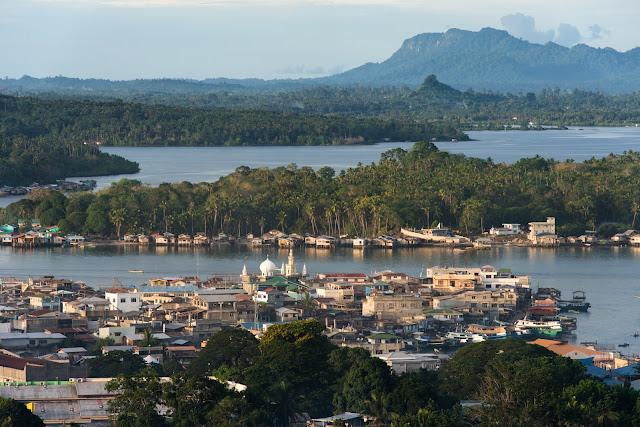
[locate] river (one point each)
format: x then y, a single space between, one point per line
610 276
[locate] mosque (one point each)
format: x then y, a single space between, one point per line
268 270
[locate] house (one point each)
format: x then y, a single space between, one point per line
325 241
19 369
160 240
74 239
123 300
393 306
201 240
506 230
348 419
284 314
543 232
219 305
143 239
445 314
36 343
130 238
116 333
269 296
402 362
185 240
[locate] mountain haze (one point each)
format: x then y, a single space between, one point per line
487 59
494 60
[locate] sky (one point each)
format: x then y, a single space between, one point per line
135 39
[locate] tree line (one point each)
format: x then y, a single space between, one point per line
416 188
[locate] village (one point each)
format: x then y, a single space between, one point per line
31 234
410 323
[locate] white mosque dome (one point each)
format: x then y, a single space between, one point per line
267 267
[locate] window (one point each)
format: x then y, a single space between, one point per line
117 334
485 305
123 300
134 299
32 342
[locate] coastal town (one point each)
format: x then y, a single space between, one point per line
31 234
53 328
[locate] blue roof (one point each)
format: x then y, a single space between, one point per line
596 371
626 371
611 381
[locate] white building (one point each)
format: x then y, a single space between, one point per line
506 230
123 300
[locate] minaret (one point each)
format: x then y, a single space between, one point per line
244 270
304 270
291 266
282 270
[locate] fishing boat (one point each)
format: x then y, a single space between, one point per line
136 271
626 344
578 303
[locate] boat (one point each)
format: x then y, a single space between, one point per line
635 335
626 344
578 303
136 271
573 311
546 332
465 337
539 324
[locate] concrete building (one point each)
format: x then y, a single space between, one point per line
393 306
123 300
402 362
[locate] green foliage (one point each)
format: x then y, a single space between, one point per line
72 341
148 340
231 347
14 413
101 342
171 367
115 363
139 396
461 376
525 391
414 188
293 366
192 398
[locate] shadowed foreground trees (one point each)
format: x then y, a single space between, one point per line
294 369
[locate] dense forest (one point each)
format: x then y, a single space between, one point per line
432 101
35 147
294 369
414 188
119 123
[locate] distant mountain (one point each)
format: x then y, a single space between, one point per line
494 60
487 59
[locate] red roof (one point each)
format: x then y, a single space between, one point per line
321 300
38 313
360 275
243 297
7 361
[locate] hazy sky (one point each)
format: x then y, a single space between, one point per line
128 39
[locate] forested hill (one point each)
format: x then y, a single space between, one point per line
493 59
119 123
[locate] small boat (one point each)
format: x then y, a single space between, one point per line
573 311
136 271
626 344
635 335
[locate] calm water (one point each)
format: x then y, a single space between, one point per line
609 276
207 164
